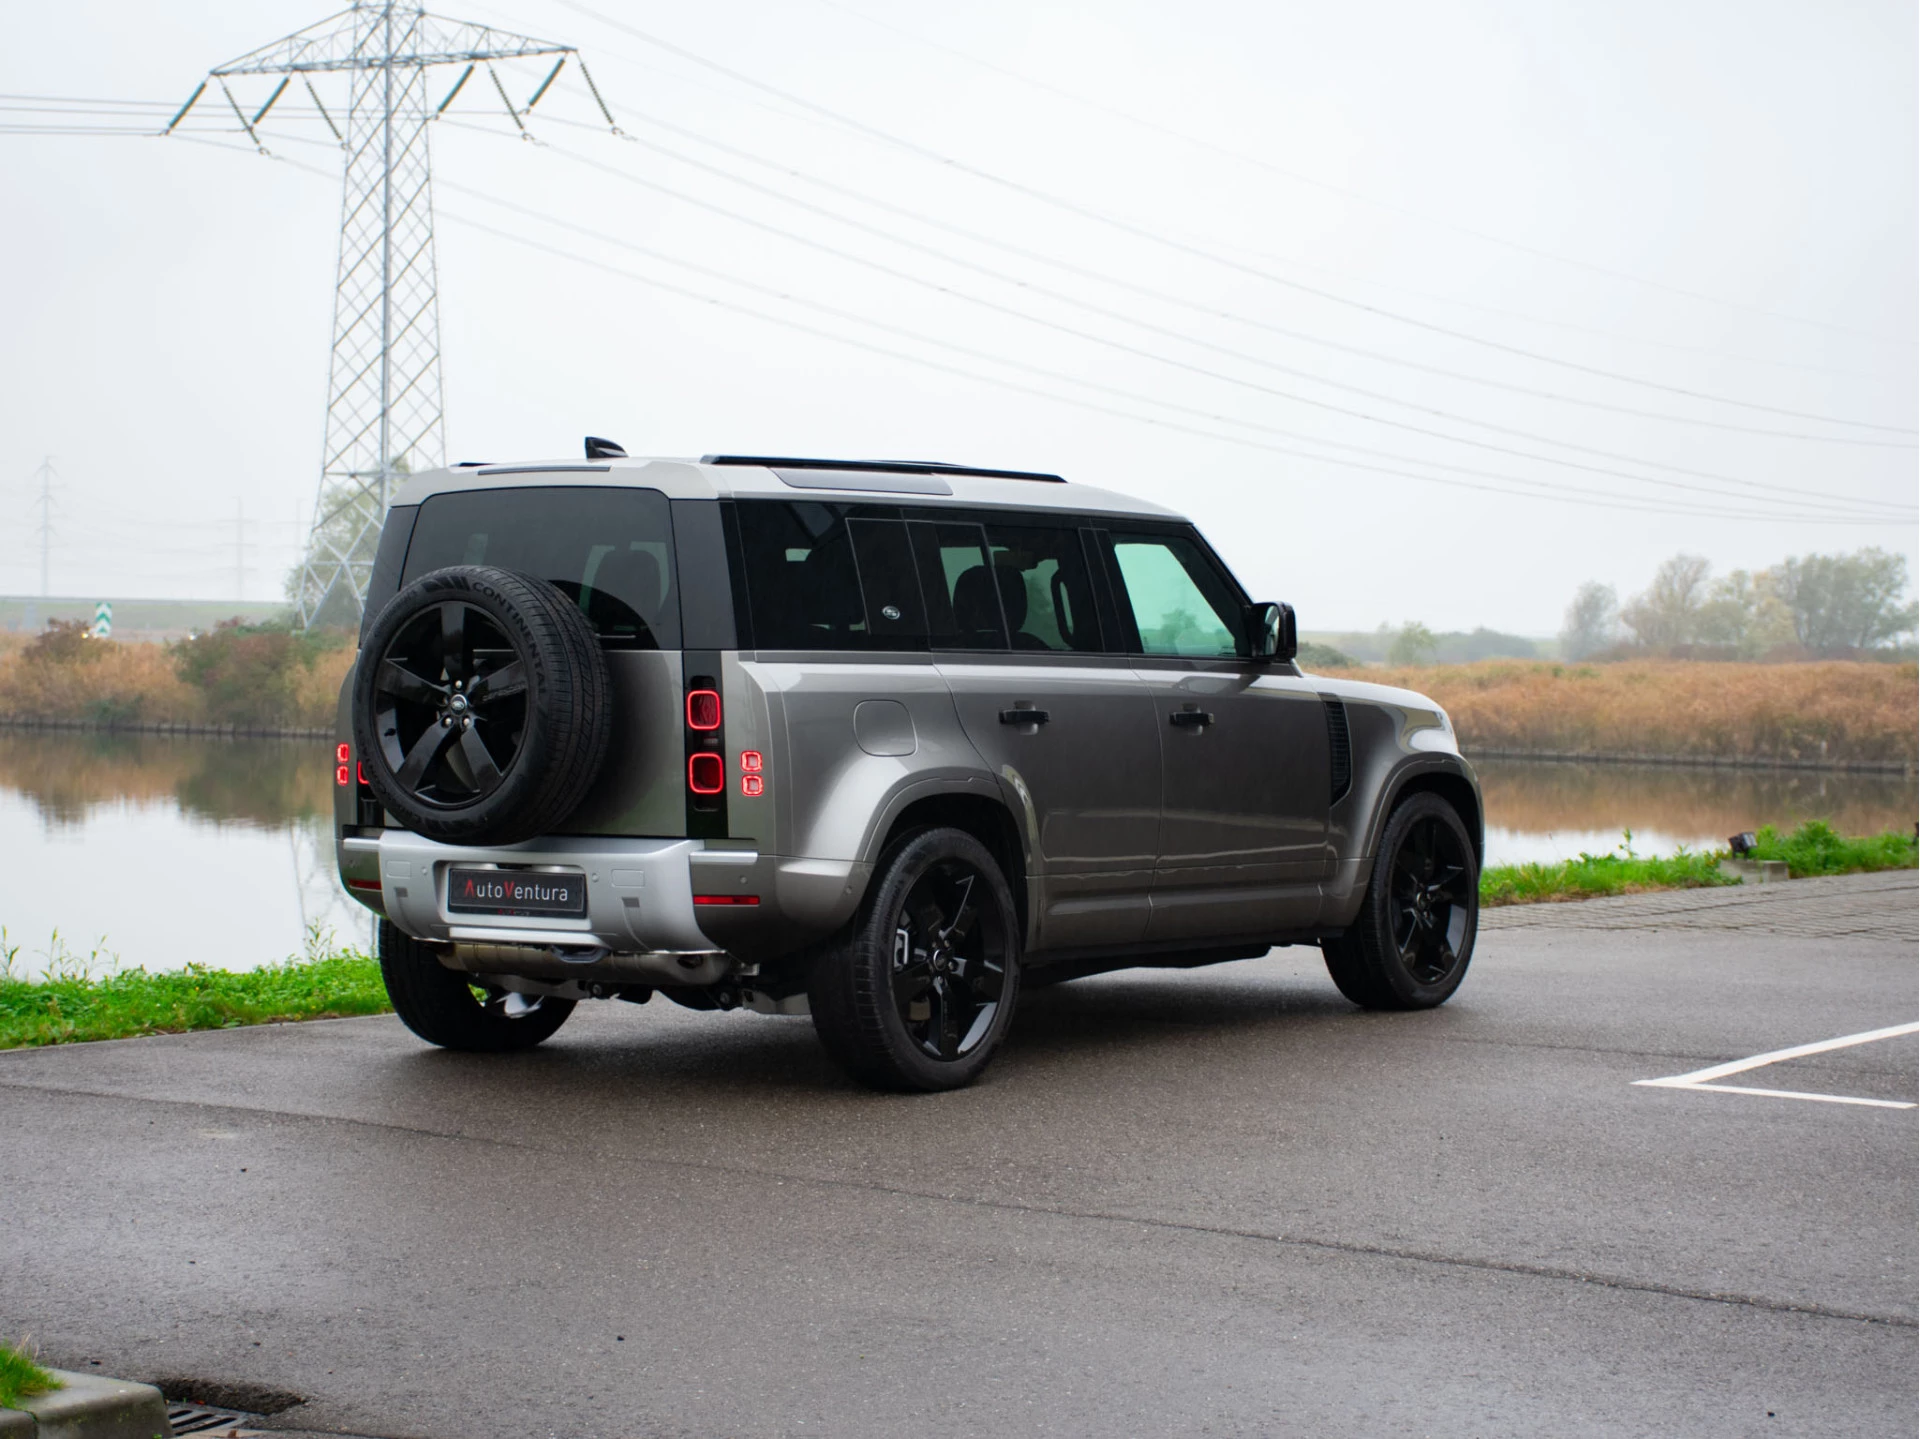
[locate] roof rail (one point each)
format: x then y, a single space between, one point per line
896 467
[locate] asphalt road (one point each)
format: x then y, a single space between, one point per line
1217 1202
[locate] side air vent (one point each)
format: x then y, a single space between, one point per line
1339 747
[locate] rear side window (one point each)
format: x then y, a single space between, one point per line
829 577
1045 587
608 550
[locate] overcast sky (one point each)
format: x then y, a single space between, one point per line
1705 203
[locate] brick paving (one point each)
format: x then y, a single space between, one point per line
1867 906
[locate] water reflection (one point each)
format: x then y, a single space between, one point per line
1538 810
163 850
160 850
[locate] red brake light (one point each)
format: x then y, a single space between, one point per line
360 771
750 762
341 754
340 774
706 773
726 899
703 710
752 786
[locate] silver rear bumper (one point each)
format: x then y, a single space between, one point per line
639 892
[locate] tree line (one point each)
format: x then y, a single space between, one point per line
1808 605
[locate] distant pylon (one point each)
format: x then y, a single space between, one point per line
384 411
44 532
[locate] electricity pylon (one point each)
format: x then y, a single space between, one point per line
384 412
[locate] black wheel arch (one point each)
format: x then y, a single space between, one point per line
987 820
1449 777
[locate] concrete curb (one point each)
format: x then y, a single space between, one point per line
89 1406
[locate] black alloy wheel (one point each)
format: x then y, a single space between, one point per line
919 989
948 973
1410 944
481 706
1430 906
461 1011
450 705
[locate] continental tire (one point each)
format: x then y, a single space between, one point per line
1410 945
456 1011
480 706
919 990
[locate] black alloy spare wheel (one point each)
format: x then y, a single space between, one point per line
480 706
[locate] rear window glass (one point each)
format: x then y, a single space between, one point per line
610 551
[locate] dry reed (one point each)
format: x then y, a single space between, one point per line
1837 712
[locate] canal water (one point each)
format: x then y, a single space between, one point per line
161 851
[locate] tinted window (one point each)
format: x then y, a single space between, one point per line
1179 602
829 577
965 604
608 550
1044 587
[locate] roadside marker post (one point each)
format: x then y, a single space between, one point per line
103 620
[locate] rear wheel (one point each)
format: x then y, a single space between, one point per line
457 1011
1411 943
919 991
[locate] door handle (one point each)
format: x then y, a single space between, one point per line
1190 719
1024 714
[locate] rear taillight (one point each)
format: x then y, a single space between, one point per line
753 783
703 710
342 764
706 773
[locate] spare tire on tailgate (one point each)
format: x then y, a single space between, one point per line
480 706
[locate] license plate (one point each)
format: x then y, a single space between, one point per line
515 891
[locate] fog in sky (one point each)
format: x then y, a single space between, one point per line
1421 311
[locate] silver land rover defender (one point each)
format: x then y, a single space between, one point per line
874 742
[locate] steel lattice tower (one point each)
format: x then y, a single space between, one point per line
384 413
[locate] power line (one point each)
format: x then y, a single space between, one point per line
1128 227
1188 339
1164 297
1156 357
1552 490
1560 493
1296 176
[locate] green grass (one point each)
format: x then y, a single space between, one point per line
70 1005
21 1378
1815 849
1812 849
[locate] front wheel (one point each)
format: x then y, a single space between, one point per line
1410 945
919 990
457 1011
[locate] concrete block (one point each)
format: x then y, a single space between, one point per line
91 1406
15 1424
1756 871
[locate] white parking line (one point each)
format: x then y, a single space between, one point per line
1703 1078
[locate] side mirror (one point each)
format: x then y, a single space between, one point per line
1271 630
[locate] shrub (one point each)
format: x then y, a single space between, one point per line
249 674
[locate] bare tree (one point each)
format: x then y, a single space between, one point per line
1667 613
1846 602
1592 621
1742 613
